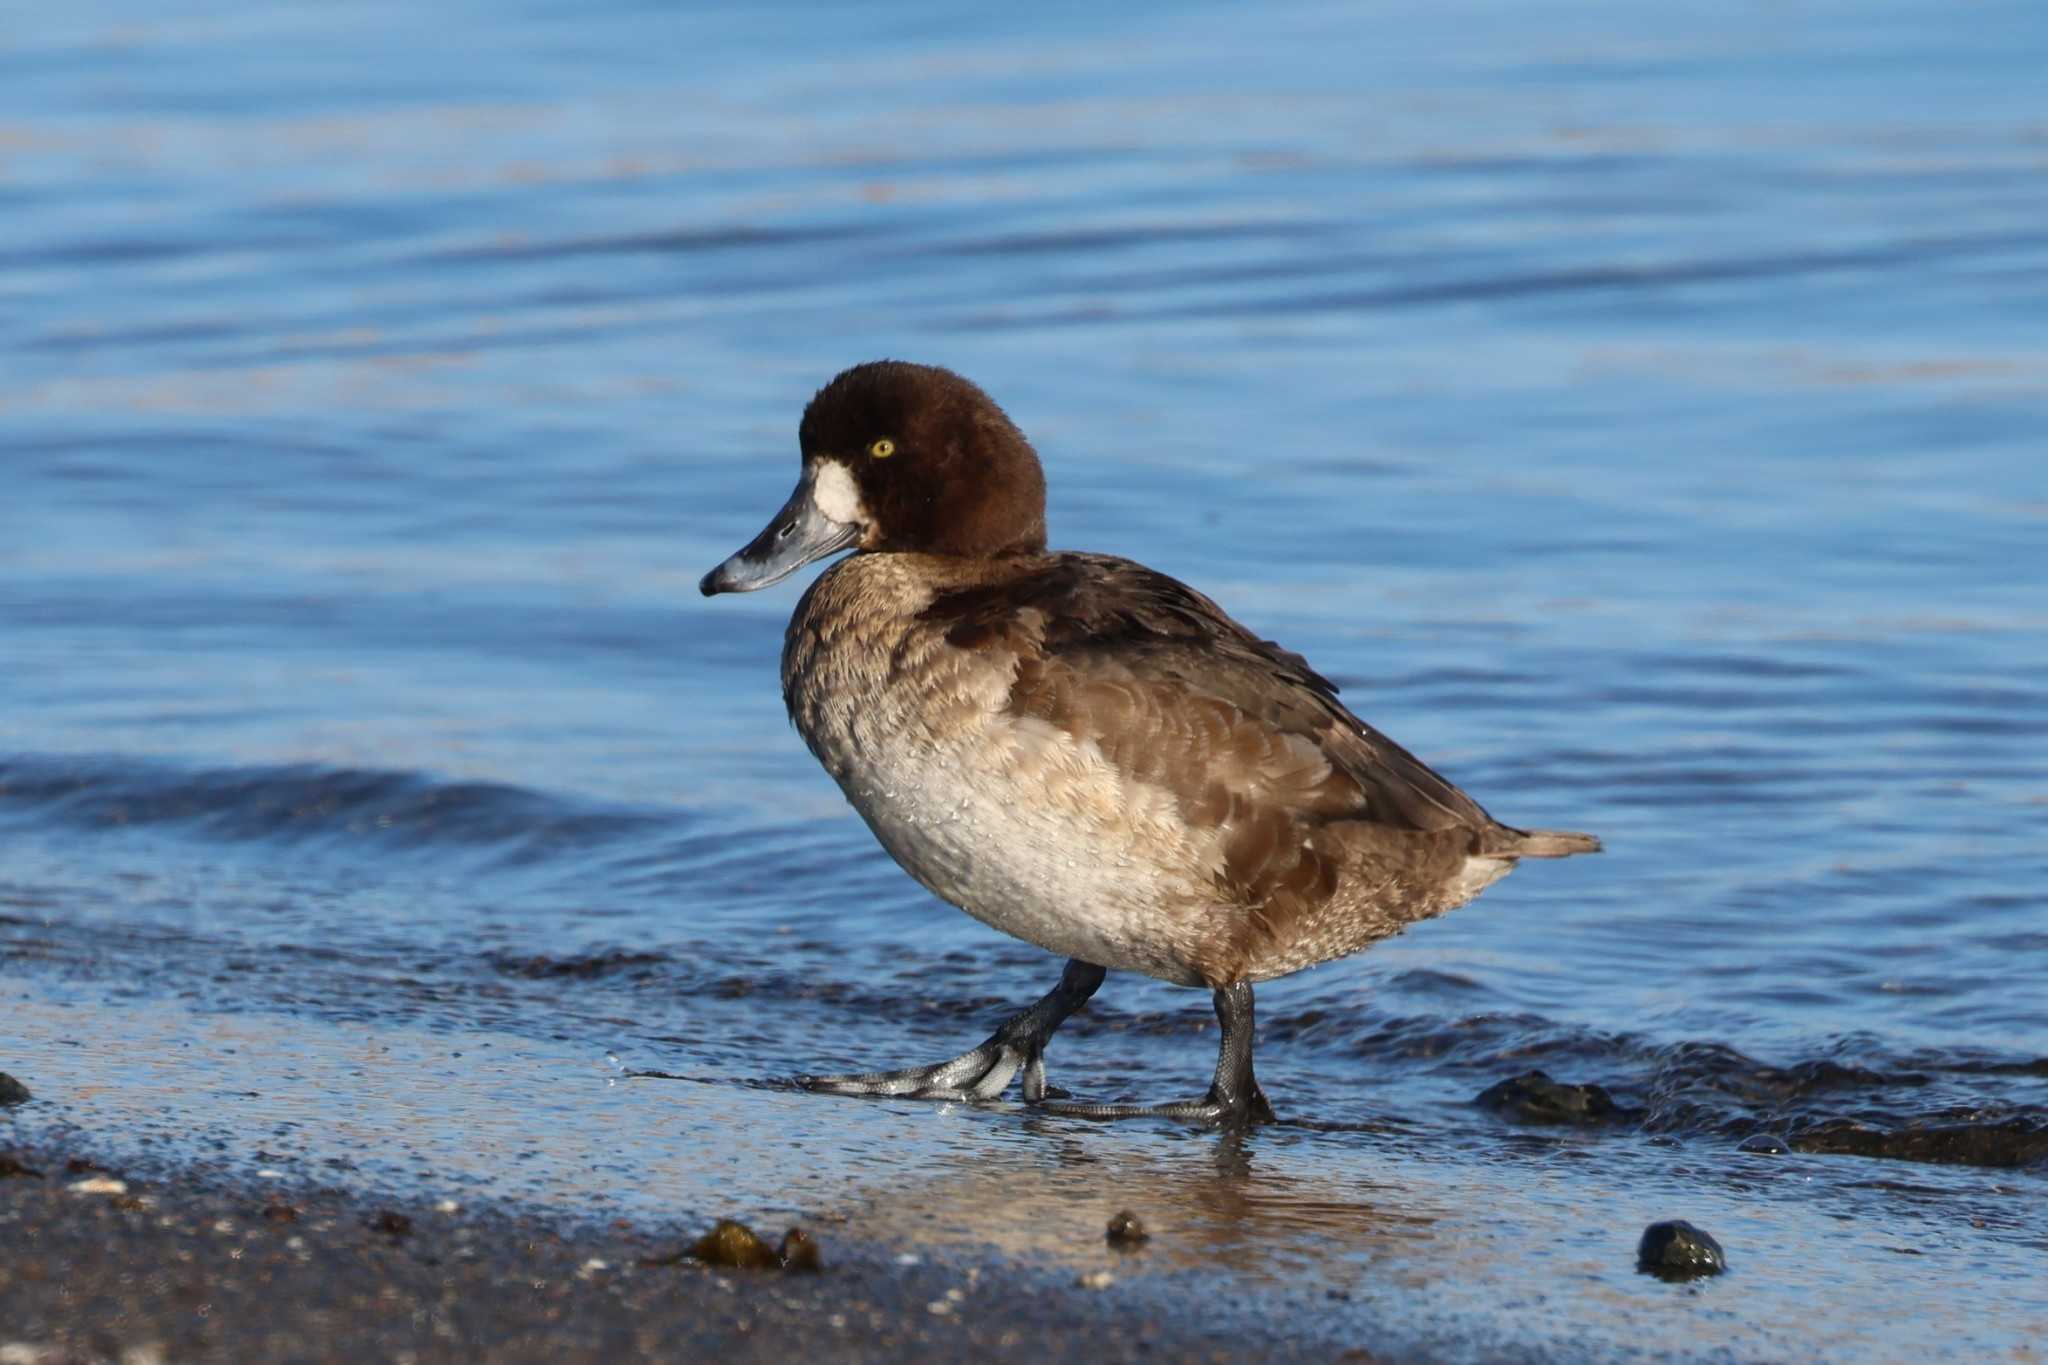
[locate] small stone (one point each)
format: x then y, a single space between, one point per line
11 1166
1096 1279
734 1246
1678 1251
392 1224
99 1184
12 1091
1127 1230
799 1251
281 1213
1767 1144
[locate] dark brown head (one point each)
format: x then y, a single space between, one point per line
899 457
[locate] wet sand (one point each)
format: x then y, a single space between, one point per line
100 1263
1458 1234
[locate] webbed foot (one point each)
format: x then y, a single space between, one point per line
983 1072
1234 1099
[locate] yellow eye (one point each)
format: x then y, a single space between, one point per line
882 449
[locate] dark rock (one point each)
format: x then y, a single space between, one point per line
734 1246
12 1091
1535 1098
10 1167
1127 1230
1769 1144
1678 1251
283 1213
2012 1142
799 1251
394 1224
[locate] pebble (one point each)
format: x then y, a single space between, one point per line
1677 1250
799 1251
733 1245
1127 1230
12 1091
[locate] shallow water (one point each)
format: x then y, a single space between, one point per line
1641 425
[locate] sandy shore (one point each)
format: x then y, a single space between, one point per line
100 1263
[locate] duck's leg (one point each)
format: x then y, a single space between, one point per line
984 1072
1234 1099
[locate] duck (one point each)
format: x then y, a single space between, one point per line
1082 752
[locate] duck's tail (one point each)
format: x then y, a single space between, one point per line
1552 843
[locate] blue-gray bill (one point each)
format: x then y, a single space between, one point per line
797 535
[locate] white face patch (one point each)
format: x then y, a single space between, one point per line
837 496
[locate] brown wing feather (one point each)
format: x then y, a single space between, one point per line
1176 692
1250 741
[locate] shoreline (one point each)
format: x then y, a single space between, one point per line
142 1262
449 1196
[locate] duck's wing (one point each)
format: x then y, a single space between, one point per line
1176 694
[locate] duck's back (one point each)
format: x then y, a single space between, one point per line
1094 757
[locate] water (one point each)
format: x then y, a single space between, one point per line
1637 412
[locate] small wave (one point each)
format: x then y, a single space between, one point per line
1878 1107
1961 1139
660 242
1850 1098
583 966
1390 292
303 802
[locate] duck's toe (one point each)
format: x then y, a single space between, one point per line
1234 1099
981 1073
1241 1109
984 1072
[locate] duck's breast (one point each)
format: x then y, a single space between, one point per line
1012 819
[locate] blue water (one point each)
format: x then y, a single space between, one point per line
1637 410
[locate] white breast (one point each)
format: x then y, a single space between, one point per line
1008 818
1036 836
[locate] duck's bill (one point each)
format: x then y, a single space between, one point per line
797 535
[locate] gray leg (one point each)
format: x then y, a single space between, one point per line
985 1072
1234 1099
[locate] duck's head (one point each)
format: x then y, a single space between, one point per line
899 457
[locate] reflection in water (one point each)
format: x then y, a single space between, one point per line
1210 1202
